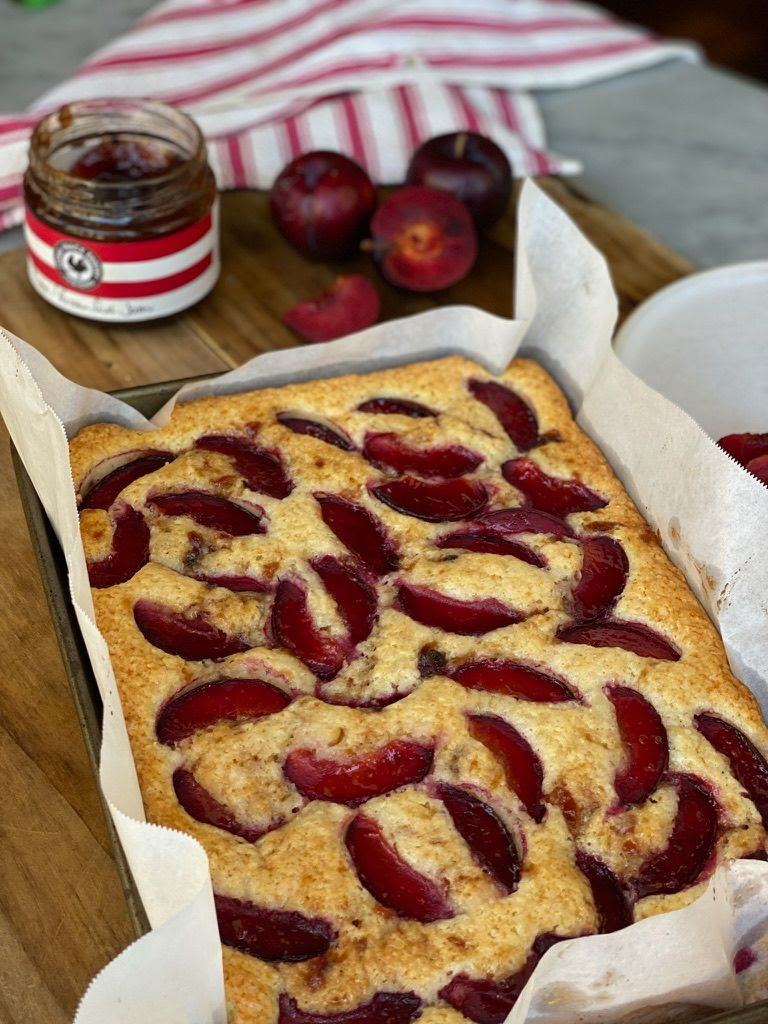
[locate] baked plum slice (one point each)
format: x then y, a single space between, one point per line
104 491
513 679
212 511
237 584
390 451
355 598
604 571
486 1001
507 522
194 638
384 1008
262 470
553 494
646 748
294 629
352 781
630 636
388 878
747 763
513 413
272 935
522 766
359 531
202 806
467 618
611 903
488 838
318 429
436 501
130 550
691 843
492 544
396 407
223 700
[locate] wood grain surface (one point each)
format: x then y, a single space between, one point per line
62 911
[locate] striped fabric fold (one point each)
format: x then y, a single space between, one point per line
268 79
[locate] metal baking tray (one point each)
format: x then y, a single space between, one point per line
147 399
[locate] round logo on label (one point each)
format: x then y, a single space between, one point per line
78 265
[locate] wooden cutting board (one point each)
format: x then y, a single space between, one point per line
62 911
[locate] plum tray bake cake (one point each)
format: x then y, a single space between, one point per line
400 652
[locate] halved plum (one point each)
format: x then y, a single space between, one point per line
646 748
396 406
557 495
230 700
439 501
130 550
212 511
318 429
488 838
294 629
492 544
262 470
272 935
390 451
353 595
747 763
603 576
202 806
630 636
104 491
194 638
515 415
744 447
467 618
352 781
521 764
359 531
512 678
384 1008
611 902
388 878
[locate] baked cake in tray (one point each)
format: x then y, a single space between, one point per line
400 652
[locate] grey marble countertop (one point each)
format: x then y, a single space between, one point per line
680 149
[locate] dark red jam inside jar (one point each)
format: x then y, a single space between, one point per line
120 210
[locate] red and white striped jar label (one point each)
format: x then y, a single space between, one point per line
123 281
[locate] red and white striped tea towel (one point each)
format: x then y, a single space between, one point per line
268 79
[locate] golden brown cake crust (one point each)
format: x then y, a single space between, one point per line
303 865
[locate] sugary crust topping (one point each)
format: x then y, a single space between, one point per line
361 683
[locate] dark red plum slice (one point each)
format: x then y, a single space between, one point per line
553 494
491 544
744 447
351 303
630 636
747 763
690 845
512 679
195 639
237 584
513 413
360 532
389 451
318 429
354 597
294 629
272 935
388 878
211 511
384 1008
352 781
604 570
104 491
202 806
611 903
230 700
522 767
506 522
486 1001
646 749
441 501
130 550
467 618
262 470
488 838
396 406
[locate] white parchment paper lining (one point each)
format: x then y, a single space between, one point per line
710 514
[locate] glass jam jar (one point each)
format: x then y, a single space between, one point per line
121 219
